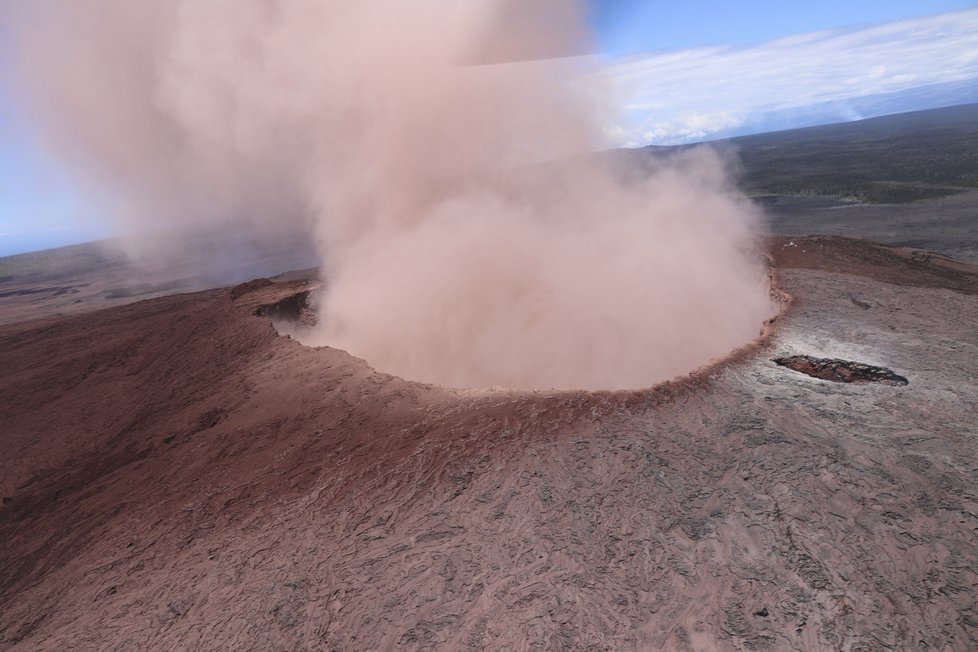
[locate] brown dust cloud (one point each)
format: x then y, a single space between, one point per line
440 155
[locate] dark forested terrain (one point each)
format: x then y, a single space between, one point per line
891 159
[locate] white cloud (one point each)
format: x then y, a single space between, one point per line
691 94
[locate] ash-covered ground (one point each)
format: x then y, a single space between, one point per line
176 475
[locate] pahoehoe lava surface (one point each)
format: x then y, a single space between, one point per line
175 475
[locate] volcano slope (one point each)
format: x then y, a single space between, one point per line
176 475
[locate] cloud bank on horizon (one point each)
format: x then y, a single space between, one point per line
709 92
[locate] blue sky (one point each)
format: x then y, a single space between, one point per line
630 26
682 72
832 74
38 207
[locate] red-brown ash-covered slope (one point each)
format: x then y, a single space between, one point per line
175 476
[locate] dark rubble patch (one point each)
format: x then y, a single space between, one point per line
293 309
841 371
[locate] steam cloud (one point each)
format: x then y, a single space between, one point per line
466 234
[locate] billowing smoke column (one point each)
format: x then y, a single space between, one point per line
467 235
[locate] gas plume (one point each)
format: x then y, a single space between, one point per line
440 156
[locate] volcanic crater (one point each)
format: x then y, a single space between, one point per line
295 316
176 474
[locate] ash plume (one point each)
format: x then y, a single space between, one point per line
467 236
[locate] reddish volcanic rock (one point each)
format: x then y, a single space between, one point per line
840 371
